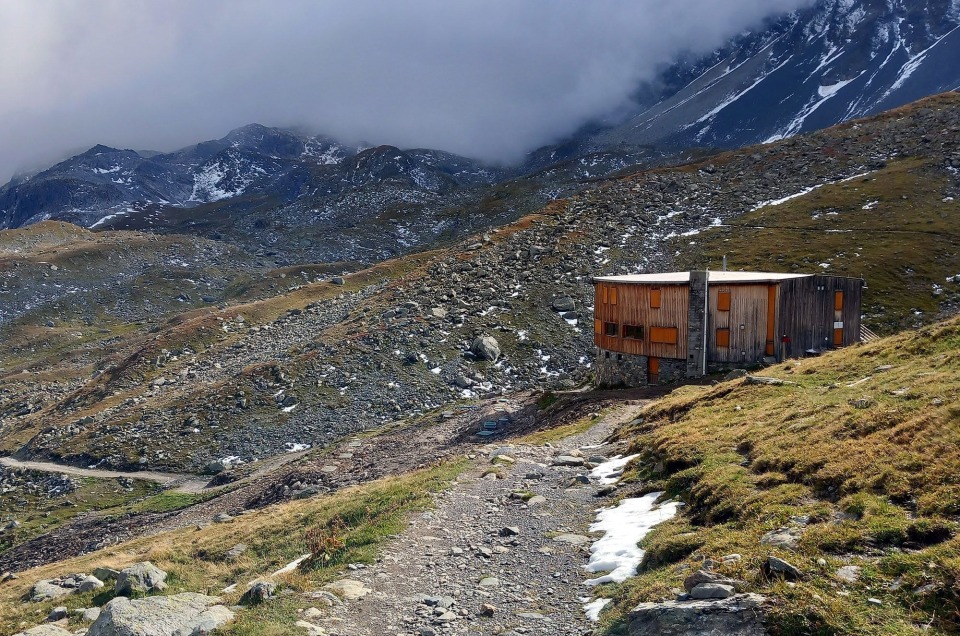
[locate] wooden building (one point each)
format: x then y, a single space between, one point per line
654 328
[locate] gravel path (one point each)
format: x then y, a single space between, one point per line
460 569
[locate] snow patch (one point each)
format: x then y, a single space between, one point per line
609 472
594 608
624 526
295 447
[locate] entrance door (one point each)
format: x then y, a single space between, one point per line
653 370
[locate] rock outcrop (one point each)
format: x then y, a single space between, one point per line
185 614
738 615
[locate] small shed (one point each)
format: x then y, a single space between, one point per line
655 328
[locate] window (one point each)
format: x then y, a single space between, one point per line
723 301
655 298
597 326
838 300
723 337
603 294
633 331
613 295
663 335
611 329
838 337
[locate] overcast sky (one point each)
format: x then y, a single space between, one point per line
490 79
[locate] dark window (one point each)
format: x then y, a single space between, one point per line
611 329
633 331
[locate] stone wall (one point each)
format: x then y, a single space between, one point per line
624 370
696 324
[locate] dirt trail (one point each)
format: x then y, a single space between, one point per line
178 482
485 551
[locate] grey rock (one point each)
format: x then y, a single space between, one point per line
564 303
572 539
235 552
486 348
348 589
141 578
736 374
57 613
46 590
90 583
185 614
106 574
45 630
759 379
849 573
90 614
738 615
711 590
338 280
781 538
509 531
777 566
703 576
259 592
567 460
489 581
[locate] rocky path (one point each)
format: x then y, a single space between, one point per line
485 561
177 481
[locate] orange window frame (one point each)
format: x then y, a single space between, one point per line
655 298
838 300
723 338
613 295
664 335
723 301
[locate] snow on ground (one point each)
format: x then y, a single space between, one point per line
624 526
609 472
594 608
293 565
295 447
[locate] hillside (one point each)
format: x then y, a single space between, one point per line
853 462
847 471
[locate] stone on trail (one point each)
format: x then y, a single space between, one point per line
311 629
140 577
489 581
572 539
185 614
348 589
567 460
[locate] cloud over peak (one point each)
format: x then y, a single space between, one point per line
490 79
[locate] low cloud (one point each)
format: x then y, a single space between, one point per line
490 79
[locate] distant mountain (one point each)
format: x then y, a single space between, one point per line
836 61
297 197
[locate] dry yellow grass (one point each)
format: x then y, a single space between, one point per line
864 442
275 536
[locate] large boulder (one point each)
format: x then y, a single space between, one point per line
140 578
486 348
46 590
185 614
45 630
738 615
564 304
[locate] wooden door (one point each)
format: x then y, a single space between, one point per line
653 370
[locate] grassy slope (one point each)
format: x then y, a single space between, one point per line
905 241
880 484
346 527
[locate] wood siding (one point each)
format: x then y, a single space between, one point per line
808 314
633 308
746 320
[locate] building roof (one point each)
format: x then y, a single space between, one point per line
682 278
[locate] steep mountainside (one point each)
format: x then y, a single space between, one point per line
310 360
838 60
